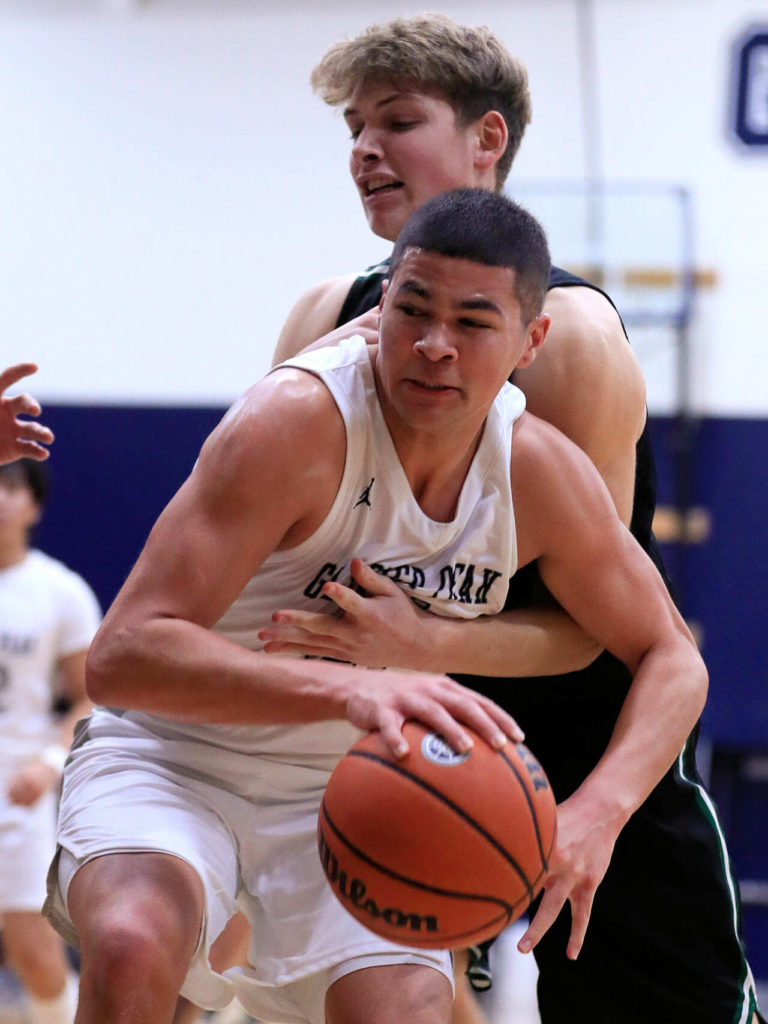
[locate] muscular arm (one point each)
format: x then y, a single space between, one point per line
246 497
601 576
385 628
256 488
606 582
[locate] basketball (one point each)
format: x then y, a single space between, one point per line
440 849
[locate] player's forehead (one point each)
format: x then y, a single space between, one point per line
372 95
457 282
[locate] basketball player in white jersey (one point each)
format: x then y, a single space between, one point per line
20 438
194 789
48 616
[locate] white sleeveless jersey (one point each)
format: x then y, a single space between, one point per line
46 612
460 568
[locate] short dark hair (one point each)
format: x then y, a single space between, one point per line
32 473
484 227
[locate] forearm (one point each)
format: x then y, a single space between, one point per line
182 671
535 641
179 670
384 628
661 709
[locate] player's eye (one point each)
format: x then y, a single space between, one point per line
467 321
410 310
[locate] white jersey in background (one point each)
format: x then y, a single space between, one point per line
46 613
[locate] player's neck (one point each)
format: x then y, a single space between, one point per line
436 472
12 551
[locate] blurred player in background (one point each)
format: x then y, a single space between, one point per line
430 106
20 438
48 616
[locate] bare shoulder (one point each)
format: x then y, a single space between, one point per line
586 348
541 451
314 314
583 305
257 487
261 448
275 414
588 383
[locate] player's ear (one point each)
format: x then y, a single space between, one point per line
492 136
536 333
384 286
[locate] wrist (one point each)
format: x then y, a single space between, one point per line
431 647
333 685
608 806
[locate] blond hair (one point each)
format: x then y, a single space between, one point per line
464 64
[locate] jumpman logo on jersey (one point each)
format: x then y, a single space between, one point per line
365 497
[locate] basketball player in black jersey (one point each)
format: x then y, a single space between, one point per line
432 106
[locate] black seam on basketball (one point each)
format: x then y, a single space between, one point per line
544 857
454 807
508 908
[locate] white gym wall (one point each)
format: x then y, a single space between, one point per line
170 184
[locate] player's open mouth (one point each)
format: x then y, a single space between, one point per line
378 186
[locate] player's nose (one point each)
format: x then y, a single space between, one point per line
367 145
436 344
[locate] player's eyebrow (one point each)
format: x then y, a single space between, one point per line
480 303
352 111
414 287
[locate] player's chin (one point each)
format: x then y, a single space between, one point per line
386 221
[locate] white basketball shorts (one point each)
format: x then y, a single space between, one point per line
254 849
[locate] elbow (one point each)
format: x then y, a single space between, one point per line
693 680
701 684
97 671
106 665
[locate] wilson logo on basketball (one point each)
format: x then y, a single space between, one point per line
436 750
354 891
